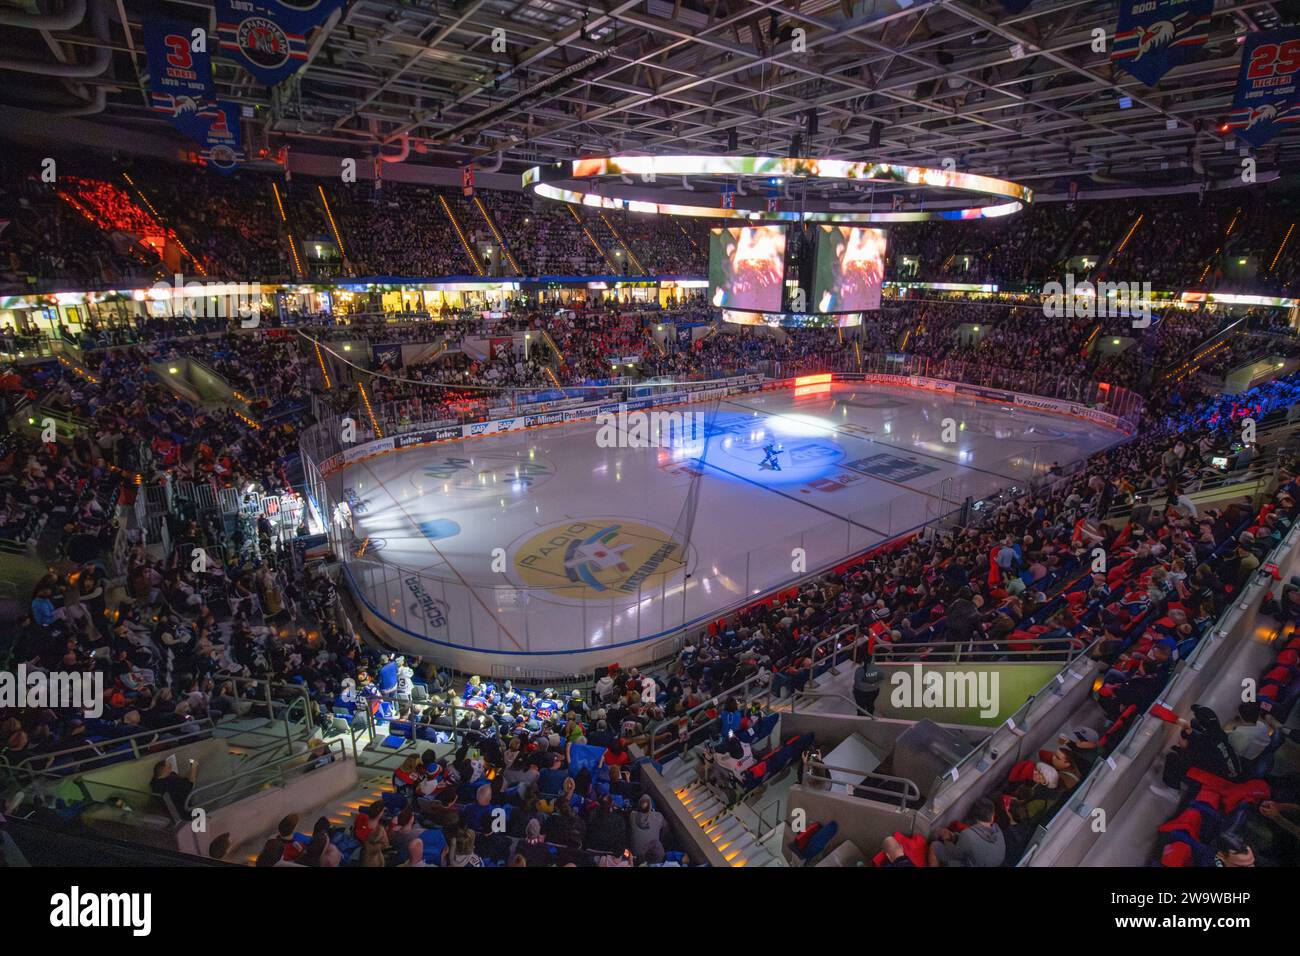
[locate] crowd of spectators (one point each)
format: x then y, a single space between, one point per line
533 778
397 230
46 242
180 645
234 226
230 222
1021 581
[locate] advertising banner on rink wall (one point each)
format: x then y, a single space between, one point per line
270 38
1266 100
447 432
1154 36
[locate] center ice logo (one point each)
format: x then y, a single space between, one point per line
600 556
595 559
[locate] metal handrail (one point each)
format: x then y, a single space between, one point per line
256 778
744 689
416 720
821 695
1102 770
41 408
909 792
763 829
1018 722
54 778
1052 649
137 751
1265 433
834 655
1255 473
298 692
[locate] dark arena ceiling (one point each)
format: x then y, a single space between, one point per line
1018 95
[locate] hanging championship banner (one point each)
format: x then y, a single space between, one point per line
180 76
222 145
1154 36
467 179
270 38
1266 89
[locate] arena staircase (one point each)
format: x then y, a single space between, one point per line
1204 352
1285 245
127 224
1222 248
591 237
1120 246
735 828
636 268
497 234
556 363
334 227
734 831
298 270
340 812
198 265
461 235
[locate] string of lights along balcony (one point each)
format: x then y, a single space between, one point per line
611 175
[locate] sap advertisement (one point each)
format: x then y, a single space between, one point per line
747 268
850 269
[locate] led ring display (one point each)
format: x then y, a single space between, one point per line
542 180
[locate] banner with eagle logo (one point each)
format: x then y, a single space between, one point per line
180 74
1267 87
1154 36
270 38
221 142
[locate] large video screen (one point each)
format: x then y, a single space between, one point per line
850 269
747 267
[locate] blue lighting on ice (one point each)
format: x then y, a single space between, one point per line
736 445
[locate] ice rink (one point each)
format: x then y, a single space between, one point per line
541 541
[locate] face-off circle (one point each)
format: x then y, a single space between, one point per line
478 476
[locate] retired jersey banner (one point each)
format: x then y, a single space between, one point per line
1154 36
270 38
221 142
180 77
1266 101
